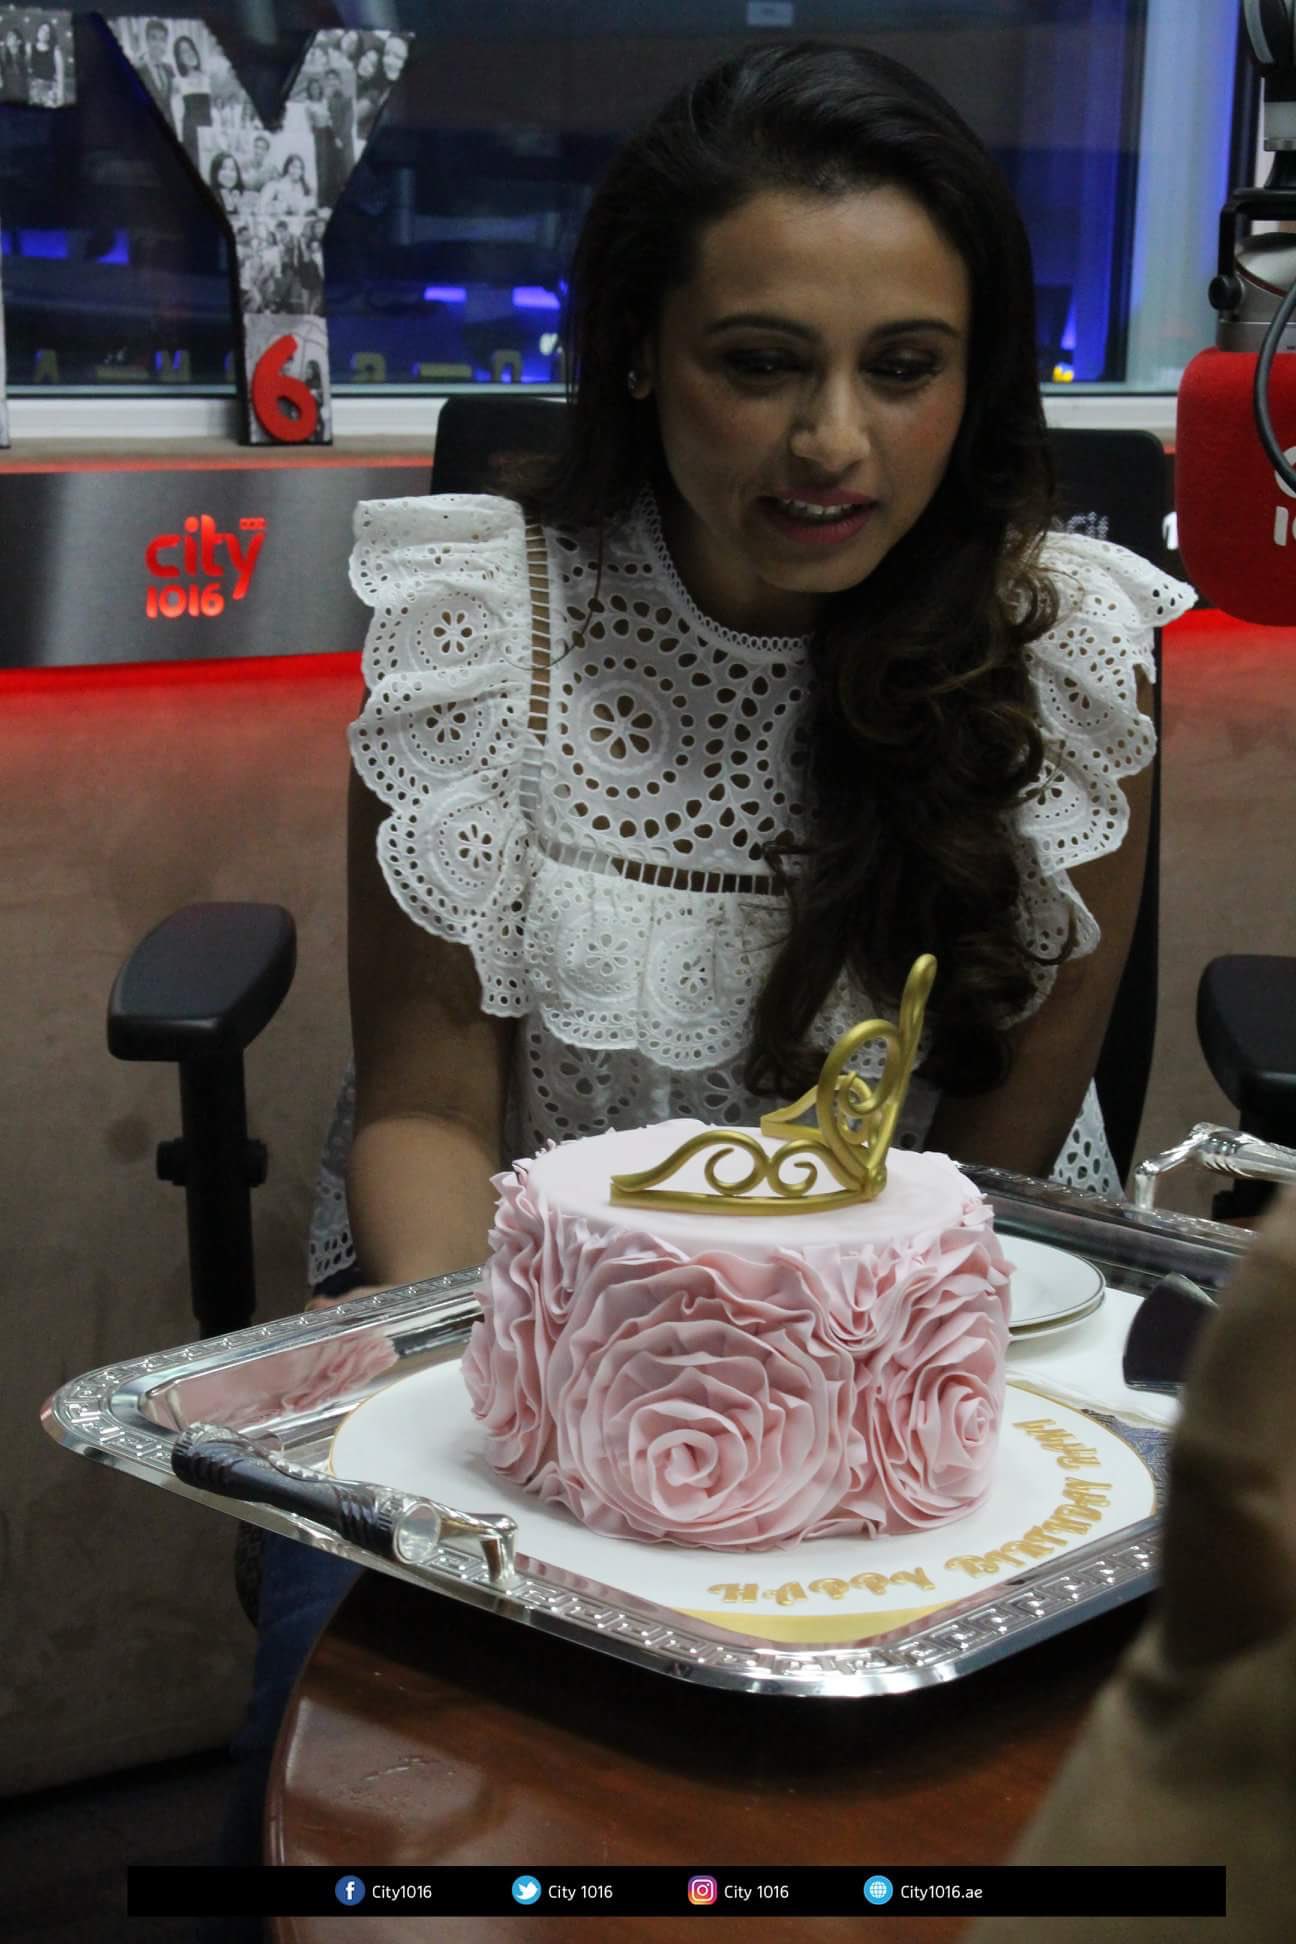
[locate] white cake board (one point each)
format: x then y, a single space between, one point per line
1059 1485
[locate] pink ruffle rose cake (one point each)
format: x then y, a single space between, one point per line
738 1381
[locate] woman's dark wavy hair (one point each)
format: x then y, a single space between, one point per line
923 730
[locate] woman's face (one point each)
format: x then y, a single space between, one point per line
44 35
186 56
393 58
12 42
814 364
296 168
227 174
367 65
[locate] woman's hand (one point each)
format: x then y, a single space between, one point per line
1190 1753
361 1289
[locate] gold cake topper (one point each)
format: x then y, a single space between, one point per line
852 1131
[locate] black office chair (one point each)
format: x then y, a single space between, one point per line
1116 486
206 981
198 990
1246 1022
477 438
201 987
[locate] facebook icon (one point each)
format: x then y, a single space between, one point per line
349 1890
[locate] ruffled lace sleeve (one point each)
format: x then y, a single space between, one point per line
1085 671
443 736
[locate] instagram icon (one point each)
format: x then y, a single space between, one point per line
702 1890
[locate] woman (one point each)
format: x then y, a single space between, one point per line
820 691
13 66
807 425
341 110
288 194
192 98
321 127
395 53
225 180
372 89
45 68
271 275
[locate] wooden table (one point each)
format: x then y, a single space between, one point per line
423 1732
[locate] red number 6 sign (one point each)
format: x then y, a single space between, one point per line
285 407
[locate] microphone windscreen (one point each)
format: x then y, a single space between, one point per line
1237 521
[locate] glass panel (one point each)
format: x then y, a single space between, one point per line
445 255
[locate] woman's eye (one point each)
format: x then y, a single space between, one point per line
904 372
759 364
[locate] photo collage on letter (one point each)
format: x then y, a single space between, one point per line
276 187
37 57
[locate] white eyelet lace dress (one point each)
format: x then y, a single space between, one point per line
586 815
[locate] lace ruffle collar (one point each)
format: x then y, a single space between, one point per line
647 517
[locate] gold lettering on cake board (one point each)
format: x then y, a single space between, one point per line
737 1592
1084 1502
1066 1447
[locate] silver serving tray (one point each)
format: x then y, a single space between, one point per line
293 1381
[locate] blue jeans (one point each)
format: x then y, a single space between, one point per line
301 1589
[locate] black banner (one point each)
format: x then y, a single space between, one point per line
141 565
889 1890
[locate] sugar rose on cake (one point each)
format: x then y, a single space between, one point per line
742 1339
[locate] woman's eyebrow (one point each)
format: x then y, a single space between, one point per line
905 324
770 321
761 321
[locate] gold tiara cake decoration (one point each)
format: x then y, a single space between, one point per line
852 1131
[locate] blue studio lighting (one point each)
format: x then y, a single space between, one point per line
532 297
51 244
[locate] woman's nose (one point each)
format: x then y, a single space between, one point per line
831 429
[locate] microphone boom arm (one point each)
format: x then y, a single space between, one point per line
1242 300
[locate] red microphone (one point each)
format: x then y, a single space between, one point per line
1236 510
1237 520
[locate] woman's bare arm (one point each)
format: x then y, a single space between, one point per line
431 1071
1023 1124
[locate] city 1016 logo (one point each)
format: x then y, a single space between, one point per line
189 568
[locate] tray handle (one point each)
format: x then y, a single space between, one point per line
216 1459
1223 1150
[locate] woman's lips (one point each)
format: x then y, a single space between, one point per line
821 533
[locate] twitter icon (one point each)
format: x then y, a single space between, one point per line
526 1889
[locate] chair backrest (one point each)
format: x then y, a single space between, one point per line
1113 485
477 437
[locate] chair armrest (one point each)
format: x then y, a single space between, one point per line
1246 1023
204 982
